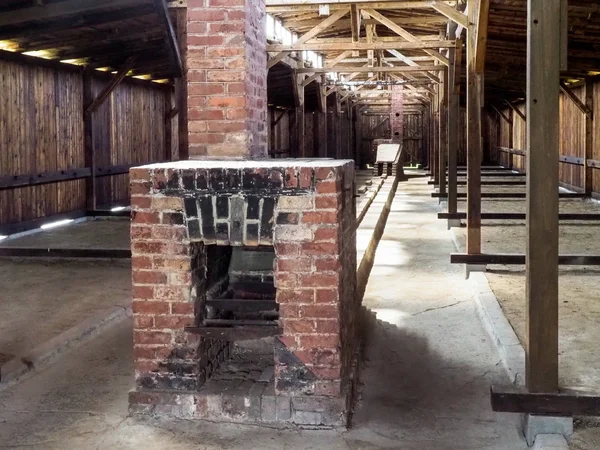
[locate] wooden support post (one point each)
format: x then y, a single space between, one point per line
93 105
543 76
443 132
476 41
589 136
357 116
453 123
181 87
434 137
338 127
88 139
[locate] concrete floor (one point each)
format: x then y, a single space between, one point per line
111 233
428 363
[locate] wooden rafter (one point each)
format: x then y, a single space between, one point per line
295 5
172 45
116 80
398 69
450 13
501 114
385 45
406 35
315 31
571 95
328 65
516 110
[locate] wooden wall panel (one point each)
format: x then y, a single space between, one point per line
596 137
38 133
41 130
572 138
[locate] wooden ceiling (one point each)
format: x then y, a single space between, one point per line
505 69
98 33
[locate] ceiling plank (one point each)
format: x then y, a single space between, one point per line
394 69
330 46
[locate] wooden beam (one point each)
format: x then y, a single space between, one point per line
481 31
454 81
517 111
329 46
589 136
543 76
355 23
329 64
181 91
110 87
502 115
405 34
315 31
172 44
443 132
571 96
474 142
297 5
61 9
283 113
515 399
450 13
346 69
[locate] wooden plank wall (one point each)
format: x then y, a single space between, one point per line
41 130
413 147
38 133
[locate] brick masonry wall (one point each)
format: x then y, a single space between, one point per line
227 76
306 213
397 113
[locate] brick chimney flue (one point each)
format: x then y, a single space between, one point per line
227 79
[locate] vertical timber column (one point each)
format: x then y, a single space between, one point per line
474 144
227 79
299 122
443 132
322 120
543 76
455 58
434 139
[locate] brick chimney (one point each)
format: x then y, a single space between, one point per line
227 79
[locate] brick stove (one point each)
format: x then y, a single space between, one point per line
244 276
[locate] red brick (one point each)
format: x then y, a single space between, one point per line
294 265
327 187
319 279
140 232
227 27
172 322
289 311
140 202
326 234
324 173
206 138
140 188
149 277
226 127
319 311
327 264
318 341
236 113
147 307
227 2
149 247
205 15
204 40
323 248
286 249
225 75
172 263
327 326
236 14
236 88
198 114
296 296
140 322
196 76
182 308
138 174
143 352
224 52
151 337
328 201
141 262
298 326
145 366
170 293
145 217
320 217
291 178
228 102
305 176
286 280
327 373
183 278
142 292
327 296
205 89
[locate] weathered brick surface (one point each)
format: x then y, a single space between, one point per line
227 78
307 214
397 113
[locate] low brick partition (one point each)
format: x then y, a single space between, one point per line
185 217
